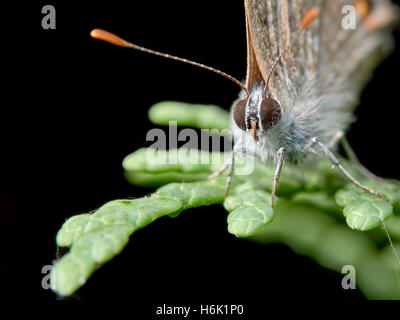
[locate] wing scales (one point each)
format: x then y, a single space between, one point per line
325 53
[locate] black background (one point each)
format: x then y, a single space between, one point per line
73 107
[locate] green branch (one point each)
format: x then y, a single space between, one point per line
314 204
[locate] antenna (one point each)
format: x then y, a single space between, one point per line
115 40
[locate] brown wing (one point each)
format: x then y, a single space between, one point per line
353 53
254 75
323 53
263 34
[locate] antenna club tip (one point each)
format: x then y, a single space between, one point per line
107 36
95 33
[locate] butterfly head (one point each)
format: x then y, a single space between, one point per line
257 113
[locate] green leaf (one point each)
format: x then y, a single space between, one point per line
192 115
311 232
183 160
364 211
72 229
144 179
194 194
150 167
365 215
89 251
306 214
349 194
96 238
250 211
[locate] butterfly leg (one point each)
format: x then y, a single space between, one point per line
228 165
339 136
222 169
351 155
219 172
281 156
337 163
230 174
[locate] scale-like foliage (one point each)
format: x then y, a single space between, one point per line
308 215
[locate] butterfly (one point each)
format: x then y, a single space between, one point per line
305 71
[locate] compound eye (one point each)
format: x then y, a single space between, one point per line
239 114
270 113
